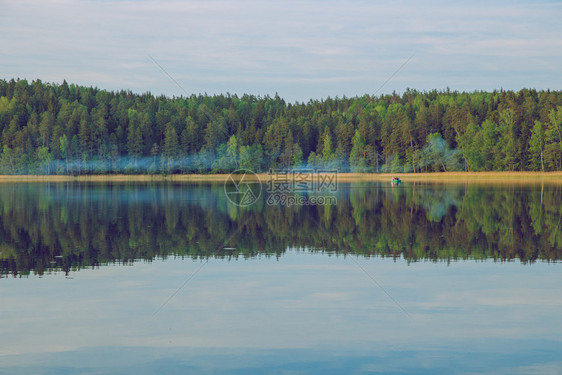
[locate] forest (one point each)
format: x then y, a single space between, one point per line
69 226
64 128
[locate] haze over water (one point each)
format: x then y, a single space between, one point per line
102 278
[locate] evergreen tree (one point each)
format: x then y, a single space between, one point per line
88 130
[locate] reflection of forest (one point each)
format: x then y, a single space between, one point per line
69 226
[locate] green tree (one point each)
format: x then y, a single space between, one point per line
298 158
555 135
45 159
536 147
134 147
64 150
507 141
470 144
314 161
227 156
170 149
492 131
358 155
46 126
396 164
440 155
245 158
232 152
8 161
328 155
154 152
489 141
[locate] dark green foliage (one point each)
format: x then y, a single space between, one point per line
68 129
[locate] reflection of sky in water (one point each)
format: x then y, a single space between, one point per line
302 312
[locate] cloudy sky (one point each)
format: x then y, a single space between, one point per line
299 49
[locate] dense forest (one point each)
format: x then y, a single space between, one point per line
67 226
69 129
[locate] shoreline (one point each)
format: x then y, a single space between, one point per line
442 177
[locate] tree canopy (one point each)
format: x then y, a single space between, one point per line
69 129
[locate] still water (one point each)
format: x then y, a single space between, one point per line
172 278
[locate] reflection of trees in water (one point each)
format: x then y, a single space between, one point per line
69 226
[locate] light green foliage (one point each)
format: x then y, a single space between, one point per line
553 142
536 147
506 146
315 161
396 164
470 144
246 160
298 158
358 156
45 159
328 154
488 146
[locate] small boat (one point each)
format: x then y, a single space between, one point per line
396 181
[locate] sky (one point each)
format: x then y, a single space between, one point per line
299 49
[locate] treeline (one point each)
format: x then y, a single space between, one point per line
67 226
69 129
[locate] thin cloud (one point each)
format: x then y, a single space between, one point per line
317 50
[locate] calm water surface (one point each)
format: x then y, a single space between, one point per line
172 278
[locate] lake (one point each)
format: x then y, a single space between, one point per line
138 278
